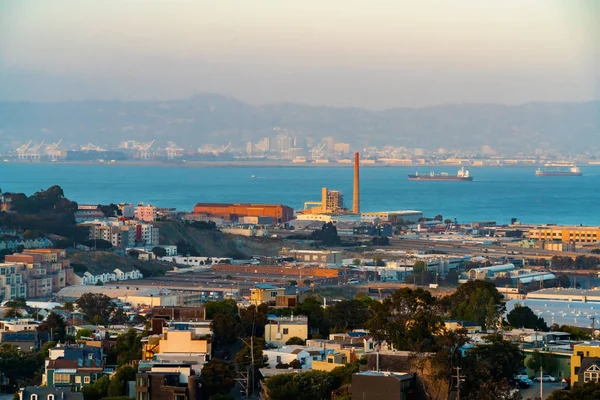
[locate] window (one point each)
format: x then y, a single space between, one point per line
86 379
278 359
62 378
273 294
33 397
77 379
50 397
330 360
286 331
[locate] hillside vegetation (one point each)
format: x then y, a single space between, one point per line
212 243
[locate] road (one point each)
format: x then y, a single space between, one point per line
534 391
460 248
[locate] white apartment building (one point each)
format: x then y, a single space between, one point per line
12 282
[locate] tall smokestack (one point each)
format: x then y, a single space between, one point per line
356 199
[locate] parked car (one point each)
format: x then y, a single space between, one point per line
525 383
545 378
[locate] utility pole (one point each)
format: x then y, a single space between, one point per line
593 318
541 383
458 379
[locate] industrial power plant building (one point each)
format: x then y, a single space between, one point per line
233 212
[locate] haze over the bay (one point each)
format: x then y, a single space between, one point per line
373 54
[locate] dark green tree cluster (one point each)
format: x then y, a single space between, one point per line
328 235
311 385
128 348
17 367
580 262
523 317
587 391
97 308
204 225
477 301
55 325
217 378
47 211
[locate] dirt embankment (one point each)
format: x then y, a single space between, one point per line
215 243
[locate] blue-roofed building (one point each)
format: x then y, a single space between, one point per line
73 366
48 393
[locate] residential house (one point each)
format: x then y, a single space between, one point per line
73 366
470 326
18 325
180 342
375 385
167 381
281 329
306 355
48 393
583 360
26 341
265 294
333 360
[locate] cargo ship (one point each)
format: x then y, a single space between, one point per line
558 170
462 175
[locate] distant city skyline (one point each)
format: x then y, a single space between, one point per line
337 53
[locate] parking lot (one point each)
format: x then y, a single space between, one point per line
534 391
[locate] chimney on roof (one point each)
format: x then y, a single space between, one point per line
356 198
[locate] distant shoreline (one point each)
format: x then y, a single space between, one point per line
264 164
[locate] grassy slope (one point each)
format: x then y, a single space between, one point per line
217 244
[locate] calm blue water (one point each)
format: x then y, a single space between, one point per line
496 194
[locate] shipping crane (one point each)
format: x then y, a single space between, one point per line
22 151
173 151
53 152
317 153
33 153
145 150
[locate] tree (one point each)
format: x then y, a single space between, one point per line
311 307
327 235
537 360
18 302
54 324
586 391
119 317
452 277
222 306
347 315
523 317
16 366
128 347
408 319
438 218
97 390
217 378
118 383
489 367
253 320
226 328
96 304
576 333
133 254
378 261
596 251
477 301
356 262
159 252
310 385
295 340
12 313
99 283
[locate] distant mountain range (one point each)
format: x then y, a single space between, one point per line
209 118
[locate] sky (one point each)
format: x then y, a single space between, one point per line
368 53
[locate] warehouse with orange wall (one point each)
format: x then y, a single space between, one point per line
278 212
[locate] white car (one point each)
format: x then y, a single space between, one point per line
545 378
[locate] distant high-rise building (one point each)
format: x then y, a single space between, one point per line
249 148
264 145
343 148
284 143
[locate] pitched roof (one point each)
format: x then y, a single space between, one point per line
59 393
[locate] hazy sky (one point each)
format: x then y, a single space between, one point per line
371 53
